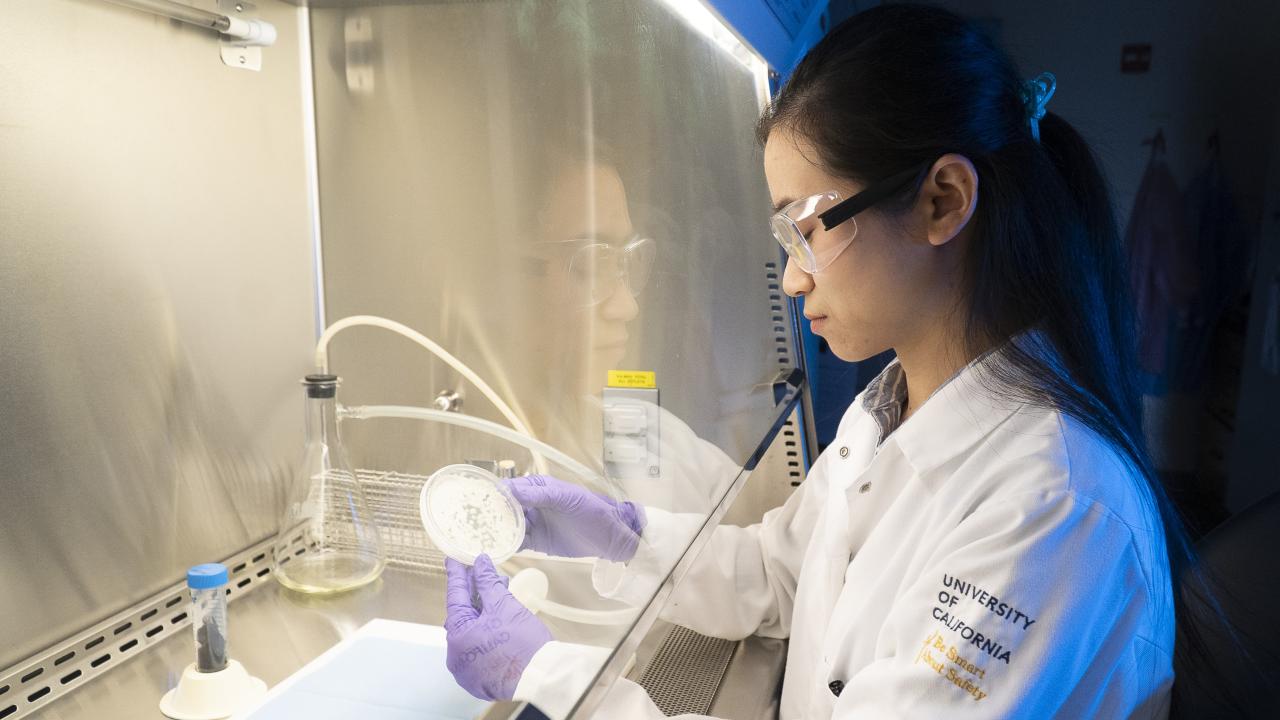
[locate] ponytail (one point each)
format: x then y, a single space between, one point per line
1195 602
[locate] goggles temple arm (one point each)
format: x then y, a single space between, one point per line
846 209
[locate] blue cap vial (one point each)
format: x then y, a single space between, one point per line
206 576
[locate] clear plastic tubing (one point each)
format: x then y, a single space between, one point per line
322 361
208 585
533 445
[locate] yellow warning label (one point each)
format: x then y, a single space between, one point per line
645 379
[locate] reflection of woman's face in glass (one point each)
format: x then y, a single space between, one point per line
594 265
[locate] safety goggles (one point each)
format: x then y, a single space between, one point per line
795 225
593 267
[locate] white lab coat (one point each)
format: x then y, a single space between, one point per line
989 559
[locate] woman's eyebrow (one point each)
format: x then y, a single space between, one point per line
781 203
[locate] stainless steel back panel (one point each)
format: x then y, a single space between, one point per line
157 292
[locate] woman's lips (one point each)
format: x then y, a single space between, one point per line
816 322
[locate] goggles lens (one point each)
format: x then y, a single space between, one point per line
799 231
596 269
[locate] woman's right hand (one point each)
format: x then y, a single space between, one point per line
566 520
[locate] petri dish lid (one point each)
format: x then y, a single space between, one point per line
467 511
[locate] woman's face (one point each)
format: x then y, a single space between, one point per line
583 232
883 290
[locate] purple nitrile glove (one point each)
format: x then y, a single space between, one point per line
488 647
566 520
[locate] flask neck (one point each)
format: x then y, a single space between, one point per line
321 420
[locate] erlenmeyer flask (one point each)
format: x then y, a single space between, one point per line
328 541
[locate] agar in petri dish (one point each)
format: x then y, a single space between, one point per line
467 511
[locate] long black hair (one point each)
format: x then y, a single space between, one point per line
899 85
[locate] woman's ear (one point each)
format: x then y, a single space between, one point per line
947 198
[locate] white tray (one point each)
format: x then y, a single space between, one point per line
386 670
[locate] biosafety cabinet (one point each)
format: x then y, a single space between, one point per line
548 221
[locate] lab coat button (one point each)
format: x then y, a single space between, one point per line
844 452
836 687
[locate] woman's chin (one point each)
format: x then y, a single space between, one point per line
853 352
599 363
606 359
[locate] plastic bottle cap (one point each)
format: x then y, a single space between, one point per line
209 575
321 386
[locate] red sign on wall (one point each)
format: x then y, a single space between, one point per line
1135 58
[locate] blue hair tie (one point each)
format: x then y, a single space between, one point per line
1035 96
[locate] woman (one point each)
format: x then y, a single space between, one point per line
984 537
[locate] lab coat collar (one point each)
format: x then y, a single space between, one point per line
884 399
956 417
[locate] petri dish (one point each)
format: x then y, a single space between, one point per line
467 511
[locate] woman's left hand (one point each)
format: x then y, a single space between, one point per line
567 520
490 644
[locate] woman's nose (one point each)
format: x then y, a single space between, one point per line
621 305
796 282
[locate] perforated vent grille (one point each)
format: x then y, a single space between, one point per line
790 438
686 672
777 315
790 433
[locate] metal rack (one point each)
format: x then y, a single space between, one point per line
393 499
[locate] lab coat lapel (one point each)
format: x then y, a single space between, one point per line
825 564
848 459
859 601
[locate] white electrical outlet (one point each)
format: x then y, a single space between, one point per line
631 449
